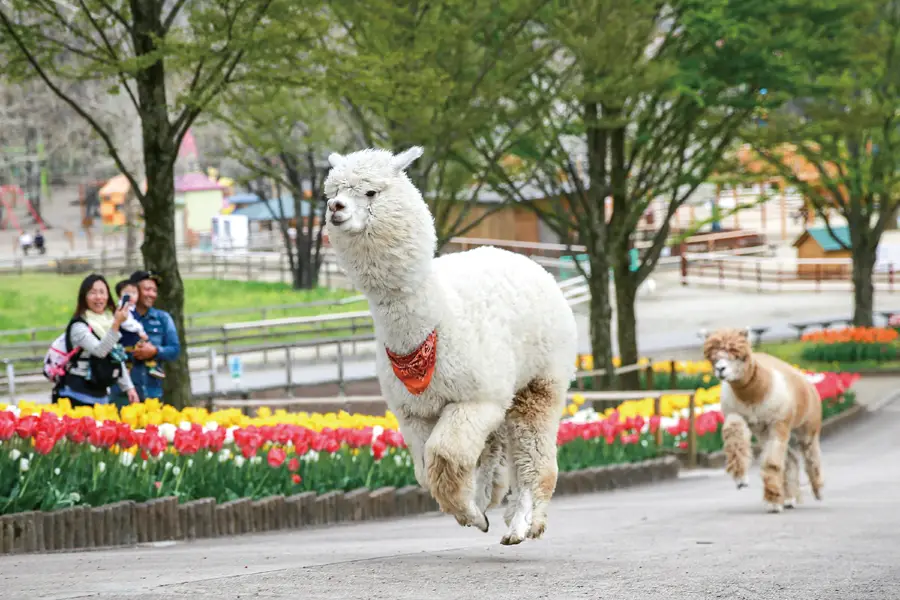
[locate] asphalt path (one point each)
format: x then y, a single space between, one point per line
692 538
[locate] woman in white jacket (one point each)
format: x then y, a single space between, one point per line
95 329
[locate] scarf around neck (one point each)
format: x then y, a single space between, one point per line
99 323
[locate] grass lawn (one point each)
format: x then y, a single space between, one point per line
40 300
792 352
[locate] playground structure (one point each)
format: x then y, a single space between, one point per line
11 198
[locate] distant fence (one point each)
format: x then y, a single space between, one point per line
778 274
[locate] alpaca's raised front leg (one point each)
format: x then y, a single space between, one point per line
773 465
451 455
416 431
736 438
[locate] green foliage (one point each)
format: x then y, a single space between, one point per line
847 352
451 76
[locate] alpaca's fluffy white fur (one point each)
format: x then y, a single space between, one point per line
506 347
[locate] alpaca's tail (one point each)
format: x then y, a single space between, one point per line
736 437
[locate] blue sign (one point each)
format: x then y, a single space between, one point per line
235 366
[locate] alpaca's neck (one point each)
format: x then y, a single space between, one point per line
404 319
754 386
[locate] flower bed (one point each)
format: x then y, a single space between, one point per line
834 389
851 344
55 456
49 462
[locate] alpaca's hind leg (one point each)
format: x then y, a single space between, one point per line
812 457
736 439
492 478
533 423
791 478
774 454
451 456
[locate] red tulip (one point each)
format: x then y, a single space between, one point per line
276 456
26 426
296 478
43 443
293 464
7 425
378 449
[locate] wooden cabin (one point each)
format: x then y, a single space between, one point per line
818 243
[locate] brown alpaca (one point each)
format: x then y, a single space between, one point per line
769 398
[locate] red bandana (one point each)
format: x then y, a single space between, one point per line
416 369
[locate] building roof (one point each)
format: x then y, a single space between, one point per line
242 198
260 211
195 182
824 238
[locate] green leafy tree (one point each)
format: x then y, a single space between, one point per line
171 59
849 139
437 74
281 136
647 106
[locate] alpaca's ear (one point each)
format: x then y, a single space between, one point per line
335 159
746 332
402 161
703 334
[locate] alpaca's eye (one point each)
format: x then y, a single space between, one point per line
370 193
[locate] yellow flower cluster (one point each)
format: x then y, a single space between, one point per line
685 367
669 404
153 412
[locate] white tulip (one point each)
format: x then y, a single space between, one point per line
239 461
23 465
126 458
101 466
176 471
56 471
15 454
167 430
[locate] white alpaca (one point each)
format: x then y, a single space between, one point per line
484 340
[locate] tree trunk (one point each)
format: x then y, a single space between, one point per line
601 319
626 319
130 232
863 289
160 151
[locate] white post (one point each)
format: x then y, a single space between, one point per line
11 379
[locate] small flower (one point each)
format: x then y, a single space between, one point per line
126 458
239 461
296 478
101 466
168 466
224 455
15 454
56 471
157 484
23 465
293 464
176 471
190 462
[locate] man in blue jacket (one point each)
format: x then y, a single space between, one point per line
161 346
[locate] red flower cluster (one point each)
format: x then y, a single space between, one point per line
610 429
704 423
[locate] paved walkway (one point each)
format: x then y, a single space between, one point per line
692 539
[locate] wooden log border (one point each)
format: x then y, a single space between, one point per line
129 523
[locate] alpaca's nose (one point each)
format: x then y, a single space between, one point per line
336 205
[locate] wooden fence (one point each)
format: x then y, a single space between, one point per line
777 274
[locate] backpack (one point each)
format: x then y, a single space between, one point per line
104 371
59 357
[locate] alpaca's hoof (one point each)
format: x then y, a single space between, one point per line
537 530
511 539
774 508
483 523
790 503
742 483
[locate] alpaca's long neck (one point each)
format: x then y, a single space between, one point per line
404 319
754 386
